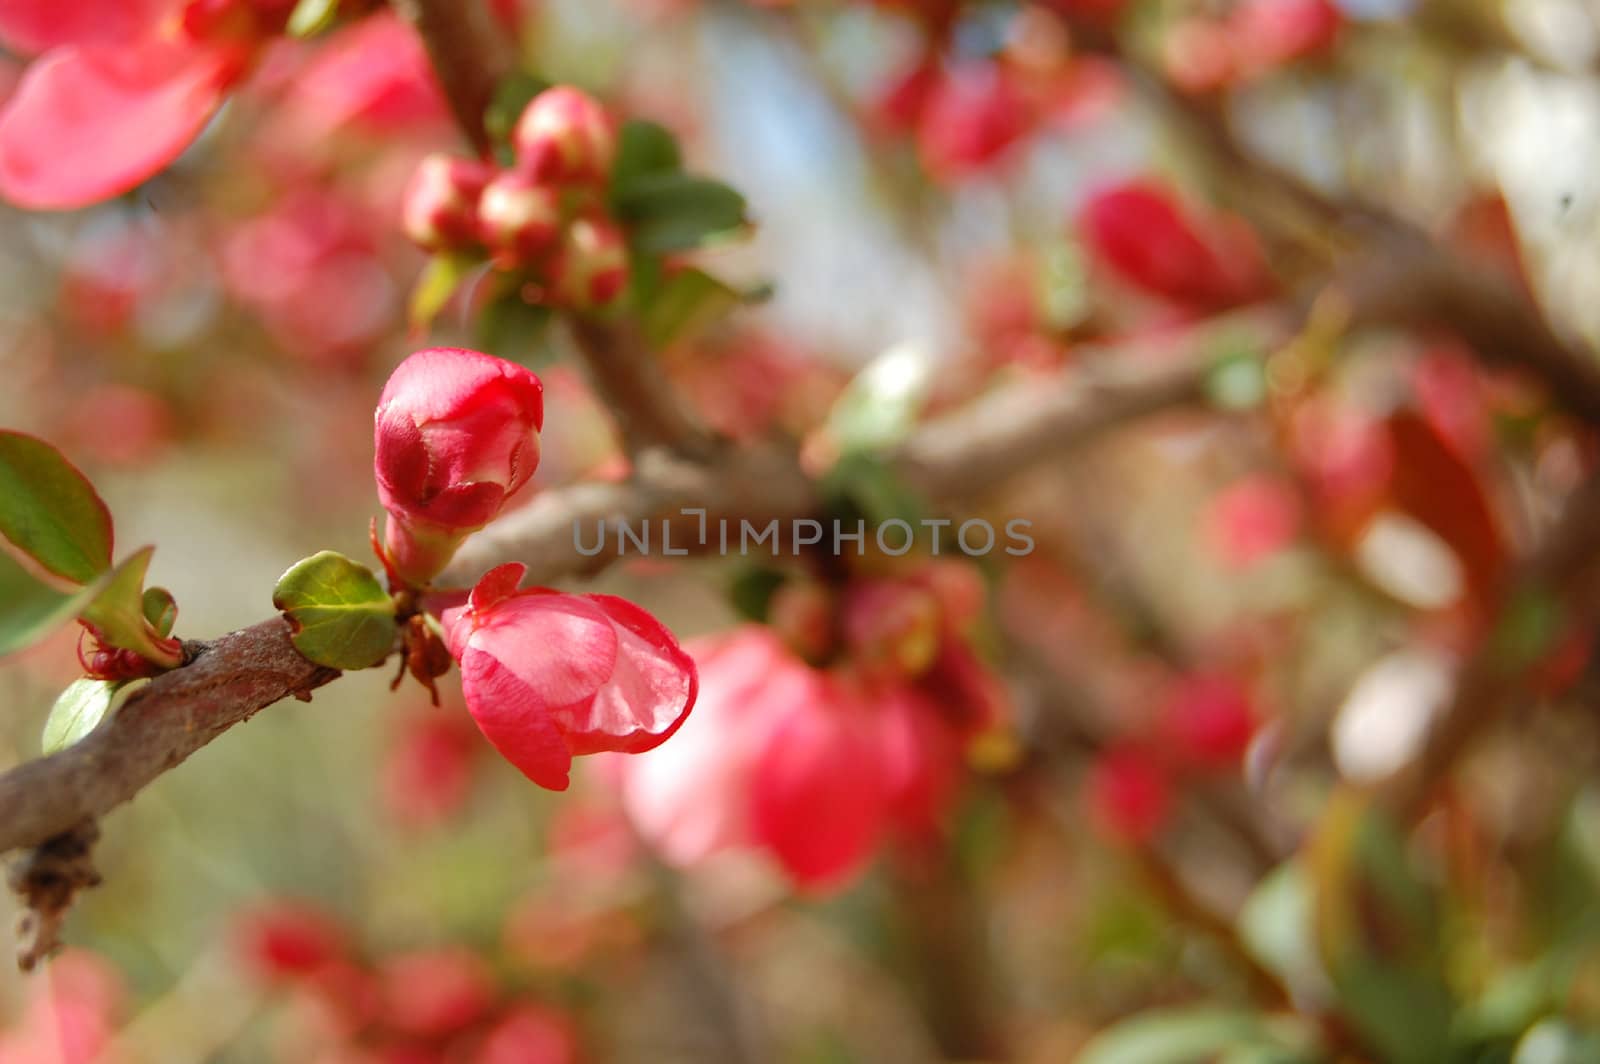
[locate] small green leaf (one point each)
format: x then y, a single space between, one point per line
685 303
439 280
677 212
118 614
160 609
511 97
311 17
78 711
515 329
29 610
861 485
50 511
340 615
1179 1036
643 148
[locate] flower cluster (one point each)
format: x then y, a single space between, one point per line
546 675
817 766
545 217
442 1003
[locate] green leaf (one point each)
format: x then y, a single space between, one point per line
29 610
340 615
117 612
511 97
862 485
311 17
50 511
160 609
1378 930
515 329
643 148
78 711
677 212
881 404
685 303
1182 1036
439 280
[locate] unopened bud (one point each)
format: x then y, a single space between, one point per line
519 219
592 267
440 209
565 136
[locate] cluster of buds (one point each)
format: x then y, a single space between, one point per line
545 216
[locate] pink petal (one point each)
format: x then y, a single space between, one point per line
818 798
34 26
648 696
561 647
91 122
525 736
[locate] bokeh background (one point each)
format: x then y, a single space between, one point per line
1234 608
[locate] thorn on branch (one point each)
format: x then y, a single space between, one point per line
47 878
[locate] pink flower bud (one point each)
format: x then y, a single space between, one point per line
566 137
592 267
457 434
548 676
440 207
519 219
1208 722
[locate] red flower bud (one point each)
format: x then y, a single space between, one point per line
970 120
566 137
1129 795
548 676
1146 237
457 434
440 208
285 940
1208 722
519 219
592 267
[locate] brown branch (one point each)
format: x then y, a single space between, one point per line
635 387
468 57
159 726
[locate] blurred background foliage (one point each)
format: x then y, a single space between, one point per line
1277 586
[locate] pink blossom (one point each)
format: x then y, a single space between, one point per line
1208 721
1129 794
120 90
548 676
971 118
435 992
